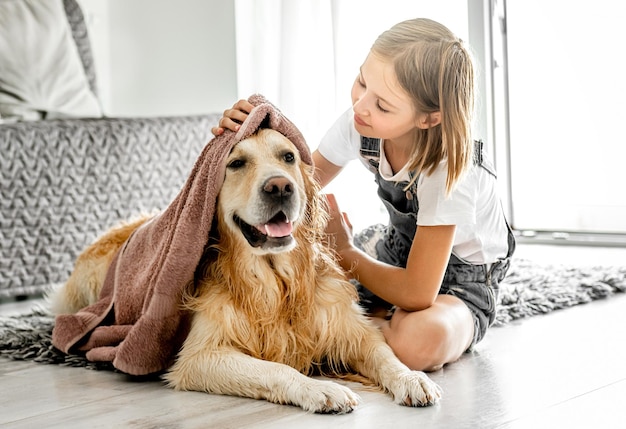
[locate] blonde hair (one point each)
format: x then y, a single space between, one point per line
435 68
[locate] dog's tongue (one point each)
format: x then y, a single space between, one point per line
276 229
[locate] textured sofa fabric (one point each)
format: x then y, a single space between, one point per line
64 182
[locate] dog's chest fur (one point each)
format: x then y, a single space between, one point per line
257 307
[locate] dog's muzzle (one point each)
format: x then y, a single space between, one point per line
275 234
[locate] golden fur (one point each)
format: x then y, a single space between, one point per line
268 311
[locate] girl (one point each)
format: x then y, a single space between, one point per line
433 272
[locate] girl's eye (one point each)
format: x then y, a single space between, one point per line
379 107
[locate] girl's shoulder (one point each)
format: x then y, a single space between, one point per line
470 183
342 142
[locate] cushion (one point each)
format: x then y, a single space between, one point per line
41 74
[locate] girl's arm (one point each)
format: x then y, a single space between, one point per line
412 288
325 171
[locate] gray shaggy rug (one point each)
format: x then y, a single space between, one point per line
529 289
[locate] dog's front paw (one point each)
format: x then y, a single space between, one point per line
415 389
328 397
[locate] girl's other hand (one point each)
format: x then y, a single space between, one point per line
233 118
339 228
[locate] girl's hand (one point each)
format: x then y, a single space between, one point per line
339 228
233 117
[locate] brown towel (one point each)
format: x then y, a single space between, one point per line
138 324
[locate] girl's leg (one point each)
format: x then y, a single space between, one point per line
428 339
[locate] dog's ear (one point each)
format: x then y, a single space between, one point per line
316 210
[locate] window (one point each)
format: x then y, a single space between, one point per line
560 103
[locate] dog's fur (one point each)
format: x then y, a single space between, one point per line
270 305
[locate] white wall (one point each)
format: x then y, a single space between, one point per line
160 57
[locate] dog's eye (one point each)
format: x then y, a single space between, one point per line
289 157
236 163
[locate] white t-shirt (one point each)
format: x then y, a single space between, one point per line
473 205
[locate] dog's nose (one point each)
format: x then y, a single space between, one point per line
278 186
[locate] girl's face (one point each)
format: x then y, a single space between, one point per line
382 109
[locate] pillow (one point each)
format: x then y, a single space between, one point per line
41 74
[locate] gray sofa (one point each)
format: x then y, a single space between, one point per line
65 181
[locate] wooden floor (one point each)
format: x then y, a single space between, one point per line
563 370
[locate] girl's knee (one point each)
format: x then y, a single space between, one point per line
420 360
419 357
425 343
421 351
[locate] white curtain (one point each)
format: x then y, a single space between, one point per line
303 55
285 52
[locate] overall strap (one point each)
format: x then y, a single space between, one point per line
370 151
480 159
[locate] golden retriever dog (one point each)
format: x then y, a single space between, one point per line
270 305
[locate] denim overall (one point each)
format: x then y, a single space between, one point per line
476 285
